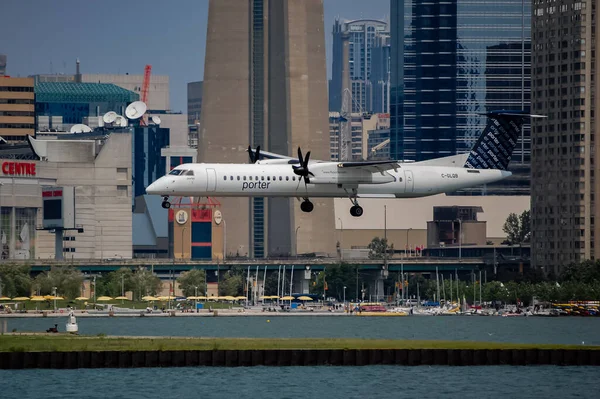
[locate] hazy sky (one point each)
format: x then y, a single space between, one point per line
116 36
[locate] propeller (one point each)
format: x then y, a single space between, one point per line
254 156
302 170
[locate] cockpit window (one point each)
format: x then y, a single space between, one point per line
176 172
189 173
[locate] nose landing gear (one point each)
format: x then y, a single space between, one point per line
166 204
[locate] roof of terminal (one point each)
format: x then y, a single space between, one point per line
63 92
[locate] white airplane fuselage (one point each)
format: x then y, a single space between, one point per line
279 180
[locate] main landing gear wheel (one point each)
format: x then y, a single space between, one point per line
166 204
356 211
307 206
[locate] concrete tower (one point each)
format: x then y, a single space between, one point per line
265 84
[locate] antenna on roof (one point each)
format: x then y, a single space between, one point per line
136 110
121 121
156 119
80 128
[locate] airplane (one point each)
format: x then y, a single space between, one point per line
274 175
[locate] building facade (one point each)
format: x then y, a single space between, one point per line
273 77
100 171
194 102
564 187
17 109
450 62
2 64
380 78
362 126
362 36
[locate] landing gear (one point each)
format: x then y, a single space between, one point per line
166 204
356 211
307 206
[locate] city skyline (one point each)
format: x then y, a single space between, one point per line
46 45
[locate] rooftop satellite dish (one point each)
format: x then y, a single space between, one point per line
156 119
121 121
80 128
109 117
136 109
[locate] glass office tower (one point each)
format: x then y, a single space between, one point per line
452 60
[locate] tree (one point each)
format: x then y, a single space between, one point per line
66 279
271 284
336 278
378 247
15 280
188 281
232 284
144 282
115 283
518 228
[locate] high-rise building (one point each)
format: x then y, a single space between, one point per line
2 64
17 109
194 102
380 73
265 84
362 35
451 62
564 148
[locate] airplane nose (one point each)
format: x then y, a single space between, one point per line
154 188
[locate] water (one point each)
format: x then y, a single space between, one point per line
568 330
304 382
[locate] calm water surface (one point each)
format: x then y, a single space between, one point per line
568 330
304 382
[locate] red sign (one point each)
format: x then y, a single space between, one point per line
52 193
18 168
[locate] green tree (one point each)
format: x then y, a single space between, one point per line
115 283
188 281
271 284
15 280
67 279
231 284
337 277
144 282
378 247
518 229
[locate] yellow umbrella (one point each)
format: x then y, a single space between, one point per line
165 298
4 298
122 297
240 297
104 298
149 298
38 298
287 298
58 298
305 298
21 298
48 297
192 298
82 298
229 298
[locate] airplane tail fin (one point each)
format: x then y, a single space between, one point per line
496 144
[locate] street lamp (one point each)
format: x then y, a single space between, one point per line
196 292
344 298
224 239
341 239
182 231
407 231
54 290
459 240
297 241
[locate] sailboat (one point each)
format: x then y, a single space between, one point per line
72 326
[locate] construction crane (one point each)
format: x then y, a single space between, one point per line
378 147
145 87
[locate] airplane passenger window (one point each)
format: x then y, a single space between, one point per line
238 178
280 178
262 178
256 178
250 177
269 178
224 177
175 172
274 178
230 177
244 178
287 178
294 178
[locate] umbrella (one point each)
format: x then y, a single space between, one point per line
81 298
48 297
287 298
229 298
192 298
58 298
240 297
38 298
165 298
104 298
122 297
4 298
149 298
21 298
305 298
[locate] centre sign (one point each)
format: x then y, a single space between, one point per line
12 168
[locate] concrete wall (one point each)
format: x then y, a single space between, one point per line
158 92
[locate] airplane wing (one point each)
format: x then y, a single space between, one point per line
371 166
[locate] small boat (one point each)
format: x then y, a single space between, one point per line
72 326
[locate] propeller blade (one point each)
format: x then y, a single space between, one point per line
250 154
300 155
257 154
306 159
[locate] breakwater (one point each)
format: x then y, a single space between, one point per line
299 357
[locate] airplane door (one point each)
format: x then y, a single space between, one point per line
410 183
211 180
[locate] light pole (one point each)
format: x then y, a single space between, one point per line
54 290
341 239
224 239
94 282
196 292
407 231
101 244
459 240
344 298
297 241
122 285
182 231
